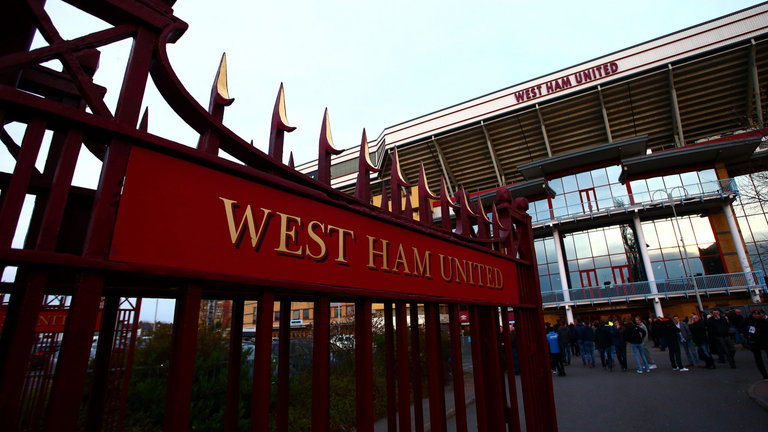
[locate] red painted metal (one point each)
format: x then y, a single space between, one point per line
389 353
232 412
435 373
457 368
418 409
321 373
77 244
403 377
513 416
364 366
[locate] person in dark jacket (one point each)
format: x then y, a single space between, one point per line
657 334
701 340
635 335
756 338
672 337
604 345
555 355
619 344
588 352
718 327
564 337
578 333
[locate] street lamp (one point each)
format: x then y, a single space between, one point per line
686 263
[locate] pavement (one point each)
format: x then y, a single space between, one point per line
598 400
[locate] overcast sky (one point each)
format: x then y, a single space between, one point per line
374 64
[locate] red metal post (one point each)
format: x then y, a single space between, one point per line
103 362
389 352
513 419
403 378
364 365
262 363
283 366
418 409
232 408
457 368
478 371
321 372
178 394
435 374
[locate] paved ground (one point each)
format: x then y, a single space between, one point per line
595 400
701 399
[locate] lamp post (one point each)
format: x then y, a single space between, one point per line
686 263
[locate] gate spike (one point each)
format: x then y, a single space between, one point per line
220 99
408 212
279 126
384 197
465 216
483 223
290 161
144 123
446 205
425 197
325 151
396 182
365 167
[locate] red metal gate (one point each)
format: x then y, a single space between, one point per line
171 221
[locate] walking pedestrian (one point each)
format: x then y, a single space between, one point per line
756 338
639 322
634 334
719 328
672 338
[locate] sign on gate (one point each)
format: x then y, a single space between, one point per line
178 214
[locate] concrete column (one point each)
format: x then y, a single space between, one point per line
647 264
563 276
738 244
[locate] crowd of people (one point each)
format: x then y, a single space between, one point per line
703 337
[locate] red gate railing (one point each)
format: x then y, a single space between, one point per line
70 249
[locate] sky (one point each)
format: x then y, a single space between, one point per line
371 64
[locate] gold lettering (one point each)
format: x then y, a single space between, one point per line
499 278
382 254
236 235
343 233
288 234
323 250
460 269
443 267
489 276
400 260
422 267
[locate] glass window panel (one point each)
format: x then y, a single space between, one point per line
619 192
600 177
649 232
573 198
689 179
751 249
659 271
655 184
558 206
553 269
584 180
544 281
759 227
695 266
541 253
575 278
581 243
556 185
667 233
618 259
675 269
746 232
638 186
603 261
555 283
615 240
655 254
703 230
569 249
672 181
549 243
603 192
586 263
670 253
569 183
543 269
614 172
707 175
597 239
604 275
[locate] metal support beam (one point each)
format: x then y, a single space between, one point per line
544 131
494 159
605 114
678 125
450 180
754 81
